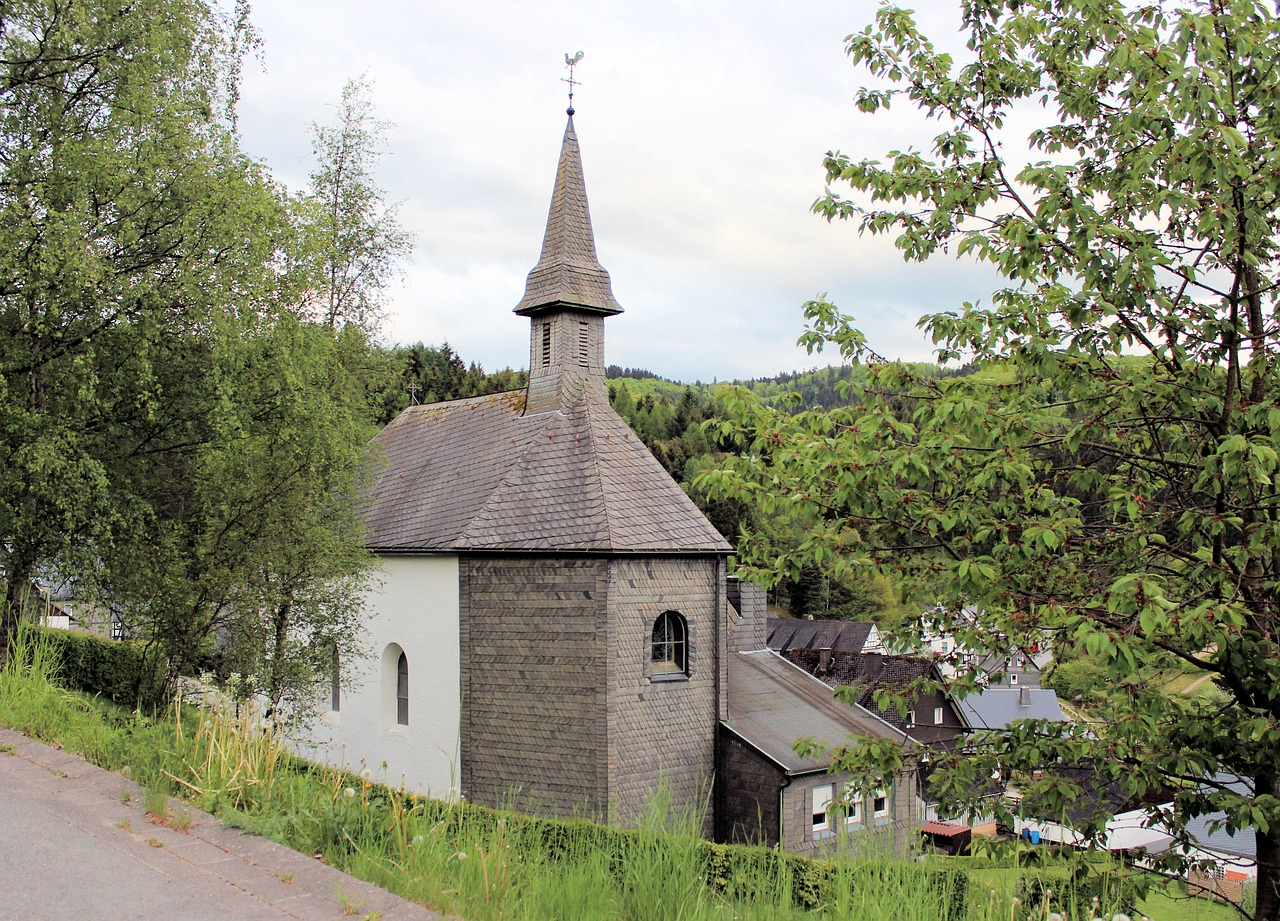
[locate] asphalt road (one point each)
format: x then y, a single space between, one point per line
71 849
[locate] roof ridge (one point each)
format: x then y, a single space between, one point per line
596 478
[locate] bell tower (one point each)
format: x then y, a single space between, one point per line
567 295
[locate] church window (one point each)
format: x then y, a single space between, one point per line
335 681
546 343
584 344
402 690
670 645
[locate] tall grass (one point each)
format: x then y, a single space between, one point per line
461 859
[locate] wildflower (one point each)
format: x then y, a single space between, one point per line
1055 916
1120 916
461 855
366 773
417 840
349 792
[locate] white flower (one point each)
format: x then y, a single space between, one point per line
461 855
366 774
417 840
349 792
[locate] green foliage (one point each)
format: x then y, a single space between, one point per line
1108 478
130 673
351 241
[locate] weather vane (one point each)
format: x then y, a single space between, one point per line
571 61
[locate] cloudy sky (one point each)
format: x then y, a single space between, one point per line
702 124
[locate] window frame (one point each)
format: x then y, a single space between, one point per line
820 819
669 647
402 689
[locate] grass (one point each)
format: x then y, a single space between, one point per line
465 861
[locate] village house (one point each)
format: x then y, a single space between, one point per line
554 628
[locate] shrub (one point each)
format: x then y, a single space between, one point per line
127 672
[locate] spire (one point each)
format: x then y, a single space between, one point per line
568 274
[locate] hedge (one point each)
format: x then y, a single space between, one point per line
122 671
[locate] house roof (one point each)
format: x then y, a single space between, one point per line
772 703
843 635
568 274
996 708
1242 842
864 672
479 475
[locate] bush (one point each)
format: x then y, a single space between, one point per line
125 672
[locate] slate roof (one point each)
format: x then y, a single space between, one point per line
568 272
478 475
772 703
864 672
1241 843
996 708
843 635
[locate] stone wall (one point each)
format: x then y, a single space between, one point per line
533 683
662 731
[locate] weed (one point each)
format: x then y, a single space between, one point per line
348 907
126 824
182 821
284 877
155 842
156 806
61 774
6 749
125 796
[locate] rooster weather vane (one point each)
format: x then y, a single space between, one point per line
571 61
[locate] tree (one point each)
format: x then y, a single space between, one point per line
123 207
245 550
1109 475
354 241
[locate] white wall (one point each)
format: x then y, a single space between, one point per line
416 607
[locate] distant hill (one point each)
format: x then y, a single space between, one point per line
834 385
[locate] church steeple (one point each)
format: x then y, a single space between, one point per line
568 294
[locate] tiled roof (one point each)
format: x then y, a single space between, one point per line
478 475
772 703
568 272
996 708
864 672
844 635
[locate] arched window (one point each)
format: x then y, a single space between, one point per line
670 651
335 680
402 690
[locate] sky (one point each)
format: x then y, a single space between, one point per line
702 127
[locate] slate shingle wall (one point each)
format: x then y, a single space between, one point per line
533 683
893 836
662 731
748 787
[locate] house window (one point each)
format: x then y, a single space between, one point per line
402 690
911 718
880 803
670 646
822 797
937 716
853 806
335 681
1013 679
546 343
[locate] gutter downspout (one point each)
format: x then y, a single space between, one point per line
782 812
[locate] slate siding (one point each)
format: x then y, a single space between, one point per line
748 793
892 837
663 731
533 683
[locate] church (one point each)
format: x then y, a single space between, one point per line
554 628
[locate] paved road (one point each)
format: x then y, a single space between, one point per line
70 849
